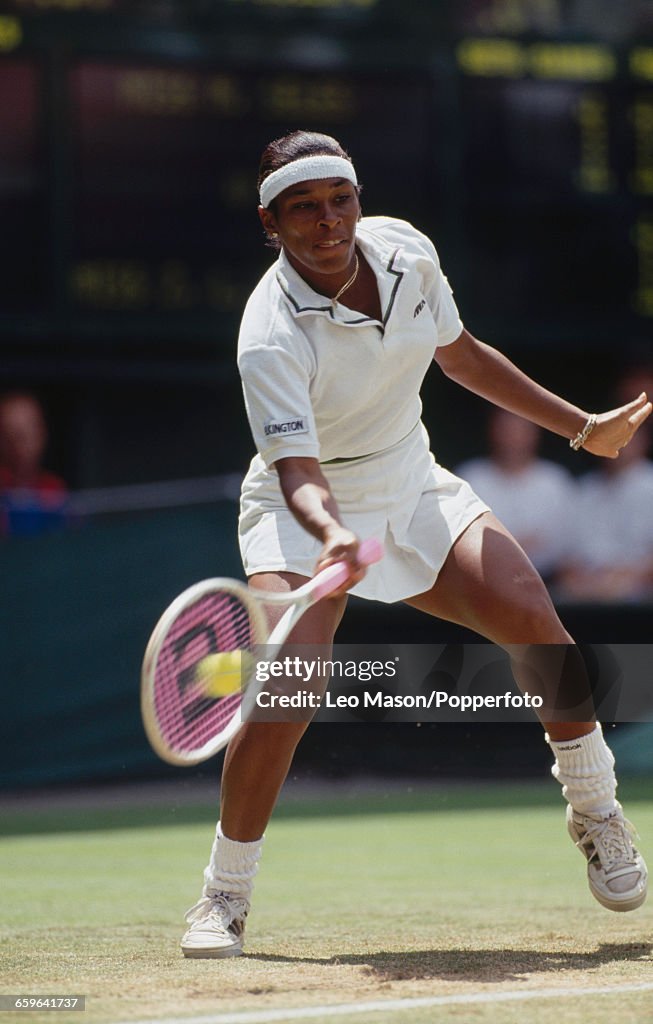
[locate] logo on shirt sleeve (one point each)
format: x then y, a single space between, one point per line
296 425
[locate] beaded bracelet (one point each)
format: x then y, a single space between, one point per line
580 439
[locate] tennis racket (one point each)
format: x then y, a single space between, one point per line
185 720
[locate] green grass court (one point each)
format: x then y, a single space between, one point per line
443 892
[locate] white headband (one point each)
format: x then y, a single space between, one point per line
305 169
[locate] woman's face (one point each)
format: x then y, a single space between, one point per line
316 224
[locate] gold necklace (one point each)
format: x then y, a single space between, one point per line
348 284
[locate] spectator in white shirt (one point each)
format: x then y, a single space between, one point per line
612 553
533 497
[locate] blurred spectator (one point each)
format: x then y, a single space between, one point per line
612 551
531 496
32 500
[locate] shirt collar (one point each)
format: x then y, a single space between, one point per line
385 262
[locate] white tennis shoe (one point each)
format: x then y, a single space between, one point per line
616 872
217 926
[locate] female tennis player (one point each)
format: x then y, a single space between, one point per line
335 342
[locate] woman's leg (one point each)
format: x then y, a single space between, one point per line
259 756
489 585
255 768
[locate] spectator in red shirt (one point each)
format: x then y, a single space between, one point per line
32 500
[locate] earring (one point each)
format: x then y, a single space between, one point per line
274 234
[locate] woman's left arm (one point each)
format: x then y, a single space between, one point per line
488 373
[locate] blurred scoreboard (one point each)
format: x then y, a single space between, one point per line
23 186
557 169
165 162
128 159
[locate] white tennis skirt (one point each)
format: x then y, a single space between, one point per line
401 496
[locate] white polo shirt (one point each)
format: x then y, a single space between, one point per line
331 383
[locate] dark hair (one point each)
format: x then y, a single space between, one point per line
295 145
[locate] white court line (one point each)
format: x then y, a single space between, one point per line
387 1005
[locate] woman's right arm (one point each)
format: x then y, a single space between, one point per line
309 498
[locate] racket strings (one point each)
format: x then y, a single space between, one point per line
216 622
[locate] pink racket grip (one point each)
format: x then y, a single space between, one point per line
369 551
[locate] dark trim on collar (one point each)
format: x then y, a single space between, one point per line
328 309
399 275
304 309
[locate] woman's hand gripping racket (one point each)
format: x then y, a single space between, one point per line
198 679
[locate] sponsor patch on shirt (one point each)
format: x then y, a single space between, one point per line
295 425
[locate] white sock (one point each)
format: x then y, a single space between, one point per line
232 866
585 769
